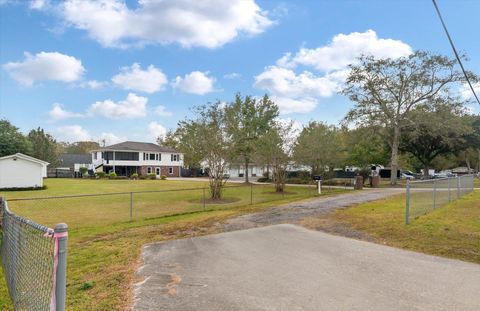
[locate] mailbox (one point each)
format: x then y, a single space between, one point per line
317 177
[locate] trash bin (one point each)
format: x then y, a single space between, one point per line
375 181
358 183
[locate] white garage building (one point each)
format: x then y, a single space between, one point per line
22 171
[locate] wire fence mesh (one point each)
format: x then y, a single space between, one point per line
28 252
91 210
424 196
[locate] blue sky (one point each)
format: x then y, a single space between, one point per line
120 70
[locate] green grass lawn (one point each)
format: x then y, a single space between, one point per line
476 182
450 231
113 208
104 246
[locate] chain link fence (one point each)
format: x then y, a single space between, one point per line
33 261
424 196
91 210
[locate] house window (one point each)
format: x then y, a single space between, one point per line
126 156
170 170
149 170
152 156
159 157
175 157
156 156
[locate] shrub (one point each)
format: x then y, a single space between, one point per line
121 177
134 176
83 171
264 179
100 174
152 176
143 177
112 175
163 177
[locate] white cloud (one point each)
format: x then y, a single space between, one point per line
45 66
38 4
132 107
110 139
134 78
93 84
344 50
59 113
285 82
291 105
196 82
207 23
73 133
162 111
299 91
466 91
156 130
232 75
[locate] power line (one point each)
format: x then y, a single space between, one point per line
455 51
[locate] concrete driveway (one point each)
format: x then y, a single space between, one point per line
286 267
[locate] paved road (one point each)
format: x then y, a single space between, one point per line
286 267
294 212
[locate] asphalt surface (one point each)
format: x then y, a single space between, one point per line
297 211
286 267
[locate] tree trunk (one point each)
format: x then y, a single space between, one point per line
268 170
394 158
426 169
246 170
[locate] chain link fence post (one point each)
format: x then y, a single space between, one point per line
131 206
251 194
458 187
204 199
407 207
61 233
449 191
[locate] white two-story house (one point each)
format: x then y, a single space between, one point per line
132 157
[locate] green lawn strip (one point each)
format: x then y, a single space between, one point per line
450 231
103 257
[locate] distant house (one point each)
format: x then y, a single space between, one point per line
462 170
72 162
22 171
142 158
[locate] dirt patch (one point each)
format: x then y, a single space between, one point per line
211 201
327 224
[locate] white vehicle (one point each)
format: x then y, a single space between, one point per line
406 175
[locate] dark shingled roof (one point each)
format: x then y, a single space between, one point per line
68 159
137 146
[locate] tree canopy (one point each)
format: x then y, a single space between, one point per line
248 119
12 140
386 90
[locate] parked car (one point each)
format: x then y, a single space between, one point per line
406 175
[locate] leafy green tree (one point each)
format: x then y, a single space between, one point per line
274 150
248 119
204 139
365 146
471 155
435 131
44 146
81 147
319 146
12 140
386 90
